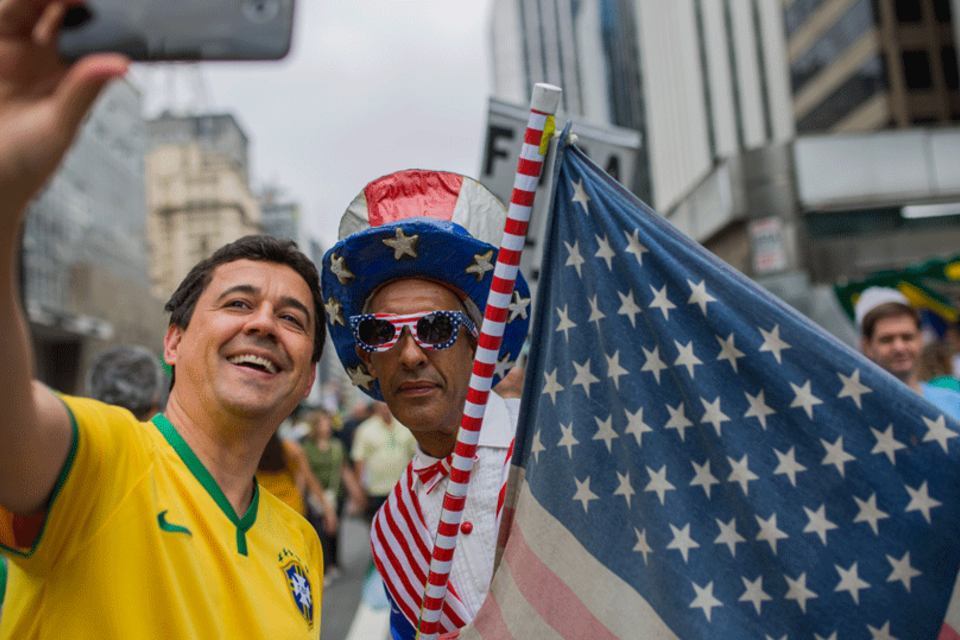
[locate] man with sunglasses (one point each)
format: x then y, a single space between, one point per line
405 290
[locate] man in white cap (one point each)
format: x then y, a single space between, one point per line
890 336
405 289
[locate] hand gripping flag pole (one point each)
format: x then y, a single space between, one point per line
540 126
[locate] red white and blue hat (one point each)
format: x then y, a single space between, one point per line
434 225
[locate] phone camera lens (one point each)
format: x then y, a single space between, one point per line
76 16
261 10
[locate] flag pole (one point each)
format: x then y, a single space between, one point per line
543 106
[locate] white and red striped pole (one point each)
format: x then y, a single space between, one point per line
543 106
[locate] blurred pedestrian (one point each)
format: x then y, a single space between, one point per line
329 465
129 377
284 471
890 335
935 367
360 408
382 449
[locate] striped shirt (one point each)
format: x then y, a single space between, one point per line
403 530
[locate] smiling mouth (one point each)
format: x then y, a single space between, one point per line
253 362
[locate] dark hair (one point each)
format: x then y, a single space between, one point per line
127 376
884 311
262 248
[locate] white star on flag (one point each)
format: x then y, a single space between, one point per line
642 545
921 501
702 477
754 593
660 301
580 196
836 455
686 358
705 599
624 488
853 388
729 536
773 343
805 398
886 443
682 541
699 295
575 259
605 252
729 352
584 377
634 246
605 432
583 494
758 408
629 308
565 323
659 483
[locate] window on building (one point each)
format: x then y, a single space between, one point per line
864 85
941 9
858 20
798 13
916 70
908 10
948 58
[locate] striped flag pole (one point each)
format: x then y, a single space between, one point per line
540 126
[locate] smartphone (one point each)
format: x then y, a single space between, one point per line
159 30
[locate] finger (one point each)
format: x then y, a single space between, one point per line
83 83
48 24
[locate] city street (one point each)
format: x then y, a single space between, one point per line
350 611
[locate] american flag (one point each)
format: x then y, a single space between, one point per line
697 460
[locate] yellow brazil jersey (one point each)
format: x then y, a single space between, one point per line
139 542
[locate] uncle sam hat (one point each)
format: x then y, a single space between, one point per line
434 225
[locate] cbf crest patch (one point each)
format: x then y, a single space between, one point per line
299 586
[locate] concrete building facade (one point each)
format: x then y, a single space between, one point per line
796 139
197 200
84 264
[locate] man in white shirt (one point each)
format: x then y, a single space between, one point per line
406 287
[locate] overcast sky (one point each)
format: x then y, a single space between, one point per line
368 88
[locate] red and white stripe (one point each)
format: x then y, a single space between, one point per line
543 106
401 544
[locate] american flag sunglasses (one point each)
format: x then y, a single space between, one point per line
430 329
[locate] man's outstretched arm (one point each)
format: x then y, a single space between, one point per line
42 103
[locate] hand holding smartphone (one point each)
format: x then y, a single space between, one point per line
158 30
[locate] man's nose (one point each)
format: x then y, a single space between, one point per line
263 321
411 354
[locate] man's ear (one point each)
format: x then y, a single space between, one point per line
367 358
313 378
171 344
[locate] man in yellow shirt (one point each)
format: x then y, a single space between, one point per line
118 529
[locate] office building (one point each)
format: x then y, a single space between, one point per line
197 192
84 265
863 65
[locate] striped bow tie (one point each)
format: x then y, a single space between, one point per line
431 474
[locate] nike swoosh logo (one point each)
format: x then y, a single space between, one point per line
173 528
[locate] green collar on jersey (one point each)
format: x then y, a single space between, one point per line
203 476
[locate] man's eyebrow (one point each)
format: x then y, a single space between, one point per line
290 301
249 289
